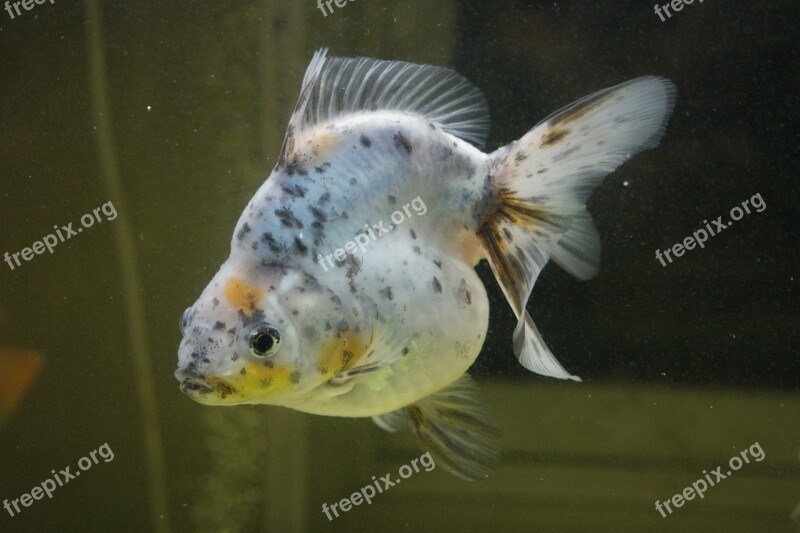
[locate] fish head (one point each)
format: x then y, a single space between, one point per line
260 334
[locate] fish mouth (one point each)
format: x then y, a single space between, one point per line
202 388
194 387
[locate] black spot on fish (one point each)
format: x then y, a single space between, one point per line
324 198
318 214
416 249
508 234
319 235
294 377
301 248
219 325
463 292
271 242
386 292
365 141
437 263
392 199
335 299
322 168
264 383
244 230
342 326
295 167
353 181
243 371
401 142
541 171
235 357
520 157
437 287
295 191
215 301
288 219
413 234
405 350
252 318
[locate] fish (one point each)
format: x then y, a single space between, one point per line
19 370
304 315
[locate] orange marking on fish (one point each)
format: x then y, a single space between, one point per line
341 353
18 371
242 296
322 144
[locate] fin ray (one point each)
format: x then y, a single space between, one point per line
538 190
453 425
347 85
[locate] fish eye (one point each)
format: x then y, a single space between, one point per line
185 319
264 340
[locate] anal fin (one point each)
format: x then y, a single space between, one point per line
454 427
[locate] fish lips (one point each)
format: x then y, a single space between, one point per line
192 387
199 387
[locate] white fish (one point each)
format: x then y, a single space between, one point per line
389 330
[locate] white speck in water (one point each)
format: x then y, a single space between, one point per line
149 108
626 183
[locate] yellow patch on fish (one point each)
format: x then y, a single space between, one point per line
242 296
341 353
323 144
261 377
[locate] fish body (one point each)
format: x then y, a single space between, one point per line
350 289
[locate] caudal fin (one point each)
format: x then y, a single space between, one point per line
539 186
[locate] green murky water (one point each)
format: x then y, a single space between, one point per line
175 112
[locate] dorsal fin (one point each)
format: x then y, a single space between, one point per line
336 86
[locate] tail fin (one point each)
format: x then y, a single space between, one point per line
539 186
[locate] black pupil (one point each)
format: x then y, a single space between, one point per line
263 342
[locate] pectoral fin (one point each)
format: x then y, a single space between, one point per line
454 427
